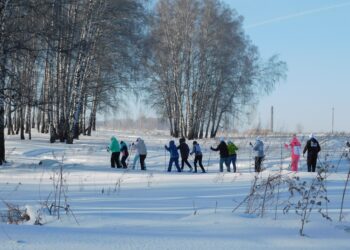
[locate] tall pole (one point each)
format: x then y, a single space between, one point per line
332 120
271 119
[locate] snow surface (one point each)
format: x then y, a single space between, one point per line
117 209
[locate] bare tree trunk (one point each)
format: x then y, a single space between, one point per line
2 89
17 120
45 96
33 118
28 118
21 121
92 119
10 130
3 62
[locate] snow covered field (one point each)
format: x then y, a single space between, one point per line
116 209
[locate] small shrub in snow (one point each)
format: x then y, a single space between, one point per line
307 197
57 200
341 216
14 214
116 188
219 178
118 183
195 211
262 193
149 179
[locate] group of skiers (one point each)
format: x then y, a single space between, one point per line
117 148
185 153
227 151
312 148
228 155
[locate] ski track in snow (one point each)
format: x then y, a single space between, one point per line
38 152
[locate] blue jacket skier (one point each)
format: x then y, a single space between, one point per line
258 147
174 156
198 156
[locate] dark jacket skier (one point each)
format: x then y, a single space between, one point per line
184 151
224 157
312 148
124 152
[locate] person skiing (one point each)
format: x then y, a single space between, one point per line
125 153
295 148
196 150
312 148
184 151
258 147
232 154
136 155
174 156
114 147
141 152
222 148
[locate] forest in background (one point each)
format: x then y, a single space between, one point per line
63 62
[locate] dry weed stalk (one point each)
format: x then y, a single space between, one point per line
309 197
14 214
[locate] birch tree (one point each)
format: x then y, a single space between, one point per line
203 66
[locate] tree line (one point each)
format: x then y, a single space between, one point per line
64 61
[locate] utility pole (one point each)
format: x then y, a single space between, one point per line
332 120
271 119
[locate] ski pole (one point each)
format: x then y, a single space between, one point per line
250 158
165 160
130 154
281 157
208 160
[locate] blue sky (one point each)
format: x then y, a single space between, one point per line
313 38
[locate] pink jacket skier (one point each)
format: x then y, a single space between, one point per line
295 152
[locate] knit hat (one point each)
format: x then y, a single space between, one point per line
311 136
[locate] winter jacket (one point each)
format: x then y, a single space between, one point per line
124 148
232 148
114 146
312 147
222 148
172 149
259 148
184 150
140 147
295 147
196 150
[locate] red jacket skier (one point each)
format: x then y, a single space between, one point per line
295 147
